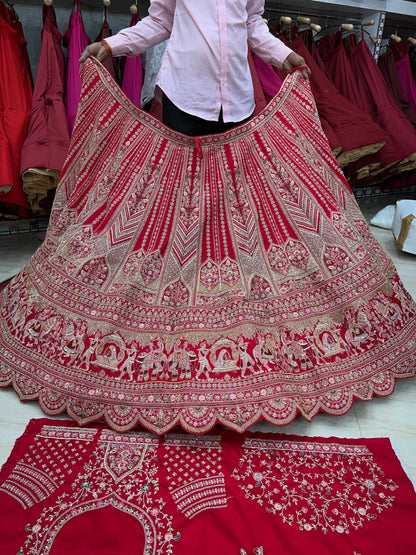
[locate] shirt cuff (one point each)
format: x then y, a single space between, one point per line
116 45
279 54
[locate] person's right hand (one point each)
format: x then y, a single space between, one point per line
95 49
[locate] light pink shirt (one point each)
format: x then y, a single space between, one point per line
205 64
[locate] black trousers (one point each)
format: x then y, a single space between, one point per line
187 124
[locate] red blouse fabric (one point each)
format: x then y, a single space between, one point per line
188 281
92 491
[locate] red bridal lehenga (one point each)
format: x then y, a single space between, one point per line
226 278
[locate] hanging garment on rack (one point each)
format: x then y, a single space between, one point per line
111 63
400 151
340 72
343 116
15 103
133 73
388 68
76 40
187 280
308 39
338 66
47 141
401 55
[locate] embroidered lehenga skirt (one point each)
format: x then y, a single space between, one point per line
228 279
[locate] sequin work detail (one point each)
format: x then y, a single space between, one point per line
286 479
178 289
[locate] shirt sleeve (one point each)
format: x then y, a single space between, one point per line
269 48
151 30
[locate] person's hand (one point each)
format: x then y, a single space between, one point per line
293 61
95 49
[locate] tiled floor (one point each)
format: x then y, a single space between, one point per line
393 417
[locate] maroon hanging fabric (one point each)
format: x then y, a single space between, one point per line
93 492
338 67
401 56
309 40
400 152
341 114
386 63
47 141
111 63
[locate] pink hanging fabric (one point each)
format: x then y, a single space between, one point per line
388 68
133 73
259 97
47 141
269 79
75 39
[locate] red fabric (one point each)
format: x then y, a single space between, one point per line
15 103
75 39
47 141
93 492
309 40
401 55
184 285
133 73
341 114
388 68
379 104
338 67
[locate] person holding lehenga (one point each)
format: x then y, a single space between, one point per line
215 268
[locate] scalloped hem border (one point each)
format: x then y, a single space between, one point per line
208 417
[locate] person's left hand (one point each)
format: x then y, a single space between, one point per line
293 61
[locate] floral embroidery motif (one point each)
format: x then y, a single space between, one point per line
94 272
151 267
236 286
315 486
176 294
